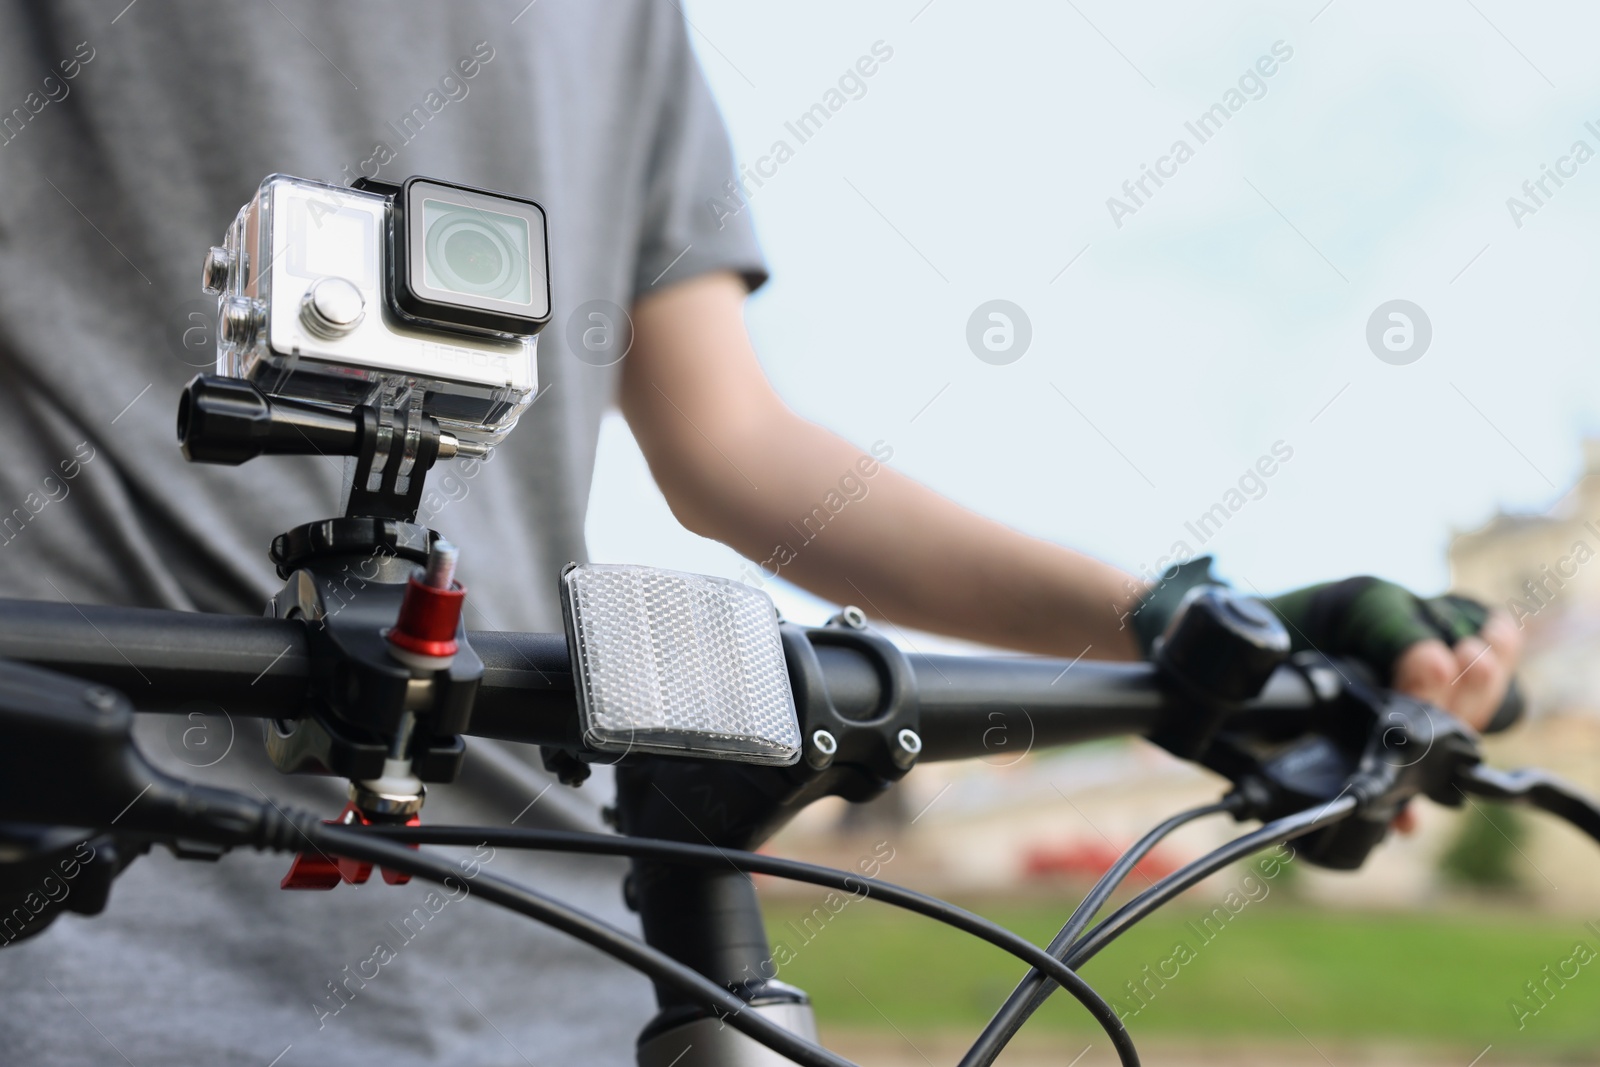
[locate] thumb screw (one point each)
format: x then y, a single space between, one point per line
441 572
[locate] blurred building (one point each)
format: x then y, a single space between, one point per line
1545 571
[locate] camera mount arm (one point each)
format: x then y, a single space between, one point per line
228 421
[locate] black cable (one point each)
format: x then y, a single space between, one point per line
1035 987
794 870
993 1039
657 965
1273 833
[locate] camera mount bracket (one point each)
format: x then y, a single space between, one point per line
347 578
393 456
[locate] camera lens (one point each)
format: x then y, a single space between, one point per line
473 257
476 252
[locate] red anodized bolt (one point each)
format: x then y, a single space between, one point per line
430 612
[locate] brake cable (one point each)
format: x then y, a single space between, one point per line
655 964
1035 987
792 870
1275 832
995 1037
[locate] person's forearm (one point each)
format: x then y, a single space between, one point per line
737 465
806 509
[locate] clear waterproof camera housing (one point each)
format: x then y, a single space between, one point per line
380 294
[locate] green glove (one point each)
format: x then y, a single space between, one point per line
1369 619
1373 620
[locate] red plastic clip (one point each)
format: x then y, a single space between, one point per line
322 871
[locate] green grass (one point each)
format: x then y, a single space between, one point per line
1434 979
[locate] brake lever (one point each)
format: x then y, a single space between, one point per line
1536 787
1406 748
1413 749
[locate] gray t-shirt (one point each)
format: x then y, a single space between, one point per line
129 136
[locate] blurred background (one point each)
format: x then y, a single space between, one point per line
1357 261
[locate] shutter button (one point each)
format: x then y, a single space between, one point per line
332 307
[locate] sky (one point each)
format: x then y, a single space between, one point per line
1187 337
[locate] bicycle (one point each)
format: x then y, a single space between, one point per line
1317 753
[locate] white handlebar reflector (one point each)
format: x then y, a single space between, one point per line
678 664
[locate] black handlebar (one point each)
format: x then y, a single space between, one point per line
969 706
163 659
1307 733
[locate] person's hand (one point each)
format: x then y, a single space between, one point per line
1470 679
1450 651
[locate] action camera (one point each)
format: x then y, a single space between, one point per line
386 296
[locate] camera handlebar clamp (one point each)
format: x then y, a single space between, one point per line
393 677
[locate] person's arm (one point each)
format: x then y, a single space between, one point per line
736 465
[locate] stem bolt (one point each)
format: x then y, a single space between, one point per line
820 752
852 617
908 746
